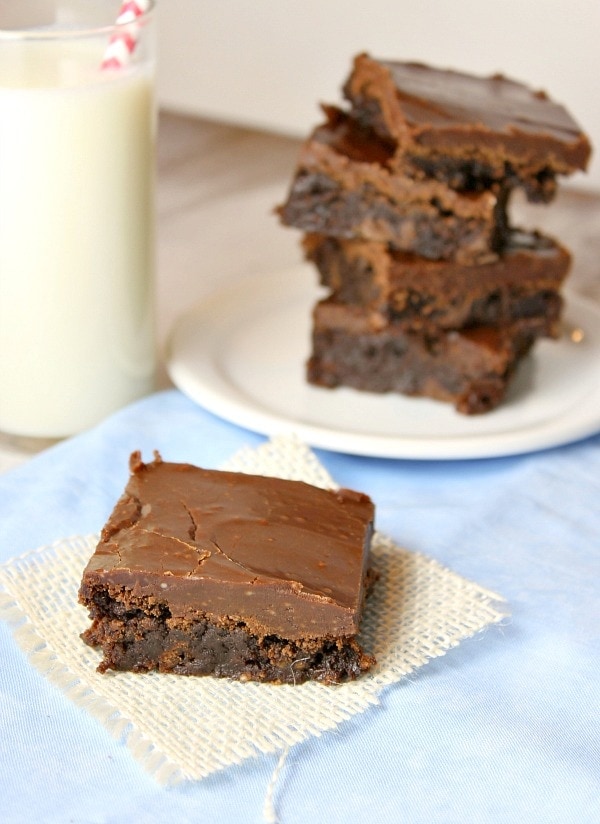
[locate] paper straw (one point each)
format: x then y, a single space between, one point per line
123 42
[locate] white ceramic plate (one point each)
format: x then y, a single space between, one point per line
241 355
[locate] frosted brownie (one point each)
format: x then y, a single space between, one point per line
470 368
202 572
471 132
524 281
343 187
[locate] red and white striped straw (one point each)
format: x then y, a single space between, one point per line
123 42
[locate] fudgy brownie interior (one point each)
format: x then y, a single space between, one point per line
344 187
523 282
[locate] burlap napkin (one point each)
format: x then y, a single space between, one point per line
186 728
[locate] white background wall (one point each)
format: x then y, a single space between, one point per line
267 63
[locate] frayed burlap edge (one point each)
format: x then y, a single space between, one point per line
418 611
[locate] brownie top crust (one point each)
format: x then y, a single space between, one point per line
431 109
283 557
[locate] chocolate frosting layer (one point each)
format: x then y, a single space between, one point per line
437 110
443 97
283 557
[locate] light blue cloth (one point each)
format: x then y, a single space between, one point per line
504 728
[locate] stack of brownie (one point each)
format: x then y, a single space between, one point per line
402 196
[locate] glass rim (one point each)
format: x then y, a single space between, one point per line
75 32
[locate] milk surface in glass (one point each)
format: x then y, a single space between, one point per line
76 236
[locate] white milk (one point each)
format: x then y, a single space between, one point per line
76 245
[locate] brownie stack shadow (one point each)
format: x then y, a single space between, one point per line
402 194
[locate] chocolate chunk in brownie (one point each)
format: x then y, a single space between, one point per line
344 187
524 281
202 572
469 131
470 368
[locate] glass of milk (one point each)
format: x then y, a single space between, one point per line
76 215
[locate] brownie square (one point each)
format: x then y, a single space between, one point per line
469 131
523 282
470 368
344 187
202 572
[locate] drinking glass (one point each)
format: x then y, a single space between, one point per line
77 256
